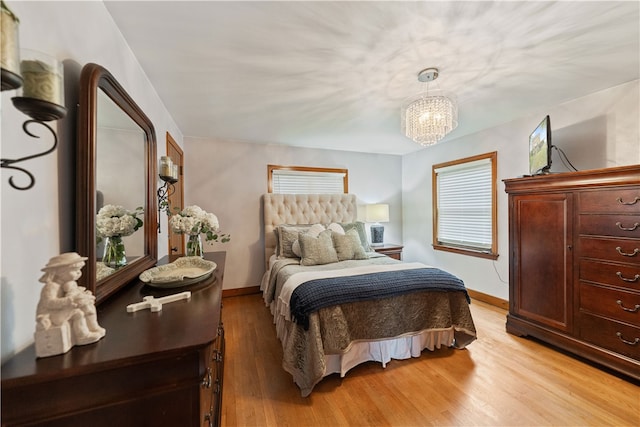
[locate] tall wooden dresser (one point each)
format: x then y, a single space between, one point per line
574 263
151 369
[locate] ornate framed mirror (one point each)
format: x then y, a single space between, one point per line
116 170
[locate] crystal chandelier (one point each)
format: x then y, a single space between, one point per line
426 119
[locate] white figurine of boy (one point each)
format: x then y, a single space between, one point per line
66 314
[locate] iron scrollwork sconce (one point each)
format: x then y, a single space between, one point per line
25 104
40 86
169 174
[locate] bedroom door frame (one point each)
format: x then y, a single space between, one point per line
176 199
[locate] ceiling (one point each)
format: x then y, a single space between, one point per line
333 74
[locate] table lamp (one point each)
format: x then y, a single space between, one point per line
377 213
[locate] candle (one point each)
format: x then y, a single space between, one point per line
174 172
9 59
41 81
166 167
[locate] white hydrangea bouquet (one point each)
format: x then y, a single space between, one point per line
194 221
114 222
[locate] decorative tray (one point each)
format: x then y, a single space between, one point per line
182 272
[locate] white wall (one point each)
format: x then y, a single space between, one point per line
596 131
39 223
229 177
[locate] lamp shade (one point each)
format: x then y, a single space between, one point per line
377 213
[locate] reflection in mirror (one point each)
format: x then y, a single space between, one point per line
120 181
116 213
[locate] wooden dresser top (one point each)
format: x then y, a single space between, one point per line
180 326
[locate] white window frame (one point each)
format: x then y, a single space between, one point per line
464 206
307 180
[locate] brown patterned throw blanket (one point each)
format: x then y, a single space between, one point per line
313 295
333 330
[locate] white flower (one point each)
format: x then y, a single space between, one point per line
114 220
210 221
193 211
194 220
112 210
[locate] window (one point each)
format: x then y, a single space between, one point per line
464 206
306 180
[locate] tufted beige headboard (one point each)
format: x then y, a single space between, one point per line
304 209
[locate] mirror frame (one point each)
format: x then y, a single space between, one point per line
93 78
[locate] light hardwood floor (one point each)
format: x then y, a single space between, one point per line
499 380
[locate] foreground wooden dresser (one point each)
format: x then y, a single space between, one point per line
574 267
151 369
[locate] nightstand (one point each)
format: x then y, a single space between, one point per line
390 250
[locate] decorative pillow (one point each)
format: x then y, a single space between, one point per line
317 250
295 248
348 245
286 234
314 230
334 226
359 227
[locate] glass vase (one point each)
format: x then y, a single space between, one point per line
194 245
114 254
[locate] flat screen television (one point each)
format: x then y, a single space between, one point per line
540 148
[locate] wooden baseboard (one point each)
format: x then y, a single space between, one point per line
489 299
240 291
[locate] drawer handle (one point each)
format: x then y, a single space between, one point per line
619 224
206 381
635 342
628 203
634 253
635 279
631 310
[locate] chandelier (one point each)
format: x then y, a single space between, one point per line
427 118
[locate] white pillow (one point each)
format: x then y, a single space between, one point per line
335 227
315 230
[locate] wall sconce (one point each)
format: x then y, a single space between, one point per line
377 213
40 86
169 174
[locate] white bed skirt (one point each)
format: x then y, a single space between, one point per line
401 347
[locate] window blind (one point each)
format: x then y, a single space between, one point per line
307 182
464 207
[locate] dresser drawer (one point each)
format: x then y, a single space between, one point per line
616 336
206 387
610 225
613 303
617 275
618 250
216 408
622 200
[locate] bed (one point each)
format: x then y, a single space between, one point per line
336 308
